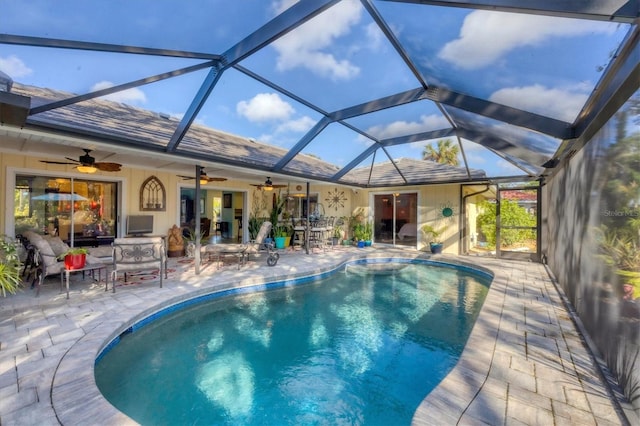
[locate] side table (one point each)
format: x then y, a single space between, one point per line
87 267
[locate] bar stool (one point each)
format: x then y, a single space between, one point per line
318 231
239 230
299 231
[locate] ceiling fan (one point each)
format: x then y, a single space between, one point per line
268 185
87 164
204 179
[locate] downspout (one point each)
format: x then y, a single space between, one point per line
463 218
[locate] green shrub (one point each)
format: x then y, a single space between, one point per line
10 265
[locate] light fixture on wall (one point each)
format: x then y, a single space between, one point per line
86 169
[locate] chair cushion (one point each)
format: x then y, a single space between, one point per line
48 256
58 246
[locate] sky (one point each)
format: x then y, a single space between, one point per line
340 58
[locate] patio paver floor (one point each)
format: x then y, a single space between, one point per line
525 363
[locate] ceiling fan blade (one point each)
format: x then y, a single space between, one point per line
108 167
216 179
186 177
58 162
71 159
279 186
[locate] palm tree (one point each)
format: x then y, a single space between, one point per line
446 153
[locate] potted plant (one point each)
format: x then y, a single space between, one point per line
9 267
358 234
432 235
190 238
280 234
367 233
75 258
338 232
276 211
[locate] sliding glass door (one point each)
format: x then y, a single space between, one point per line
79 211
395 219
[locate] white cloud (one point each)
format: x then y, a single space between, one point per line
302 124
374 36
130 96
280 6
265 107
486 36
14 67
267 138
303 47
562 104
401 128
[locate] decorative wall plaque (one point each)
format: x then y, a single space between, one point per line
335 198
153 195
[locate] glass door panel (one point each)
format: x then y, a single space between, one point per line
395 219
80 212
383 219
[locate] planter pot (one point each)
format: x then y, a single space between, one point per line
175 252
191 250
335 241
287 241
367 243
436 247
346 242
75 261
360 244
279 242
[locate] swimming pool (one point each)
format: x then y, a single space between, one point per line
363 346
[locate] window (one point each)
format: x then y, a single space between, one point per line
74 209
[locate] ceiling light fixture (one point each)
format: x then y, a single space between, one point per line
86 169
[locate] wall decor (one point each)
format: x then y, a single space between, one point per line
446 211
335 198
226 201
153 195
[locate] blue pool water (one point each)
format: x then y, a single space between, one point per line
363 346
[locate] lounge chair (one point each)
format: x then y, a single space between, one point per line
259 244
246 249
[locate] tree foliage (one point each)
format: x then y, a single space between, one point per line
510 213
445 153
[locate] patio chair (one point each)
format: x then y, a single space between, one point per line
299 232
136 254
259 244
44 254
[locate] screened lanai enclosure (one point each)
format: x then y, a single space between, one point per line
518 102
352 83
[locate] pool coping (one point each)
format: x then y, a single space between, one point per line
452 401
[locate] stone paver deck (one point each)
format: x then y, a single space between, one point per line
525 363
